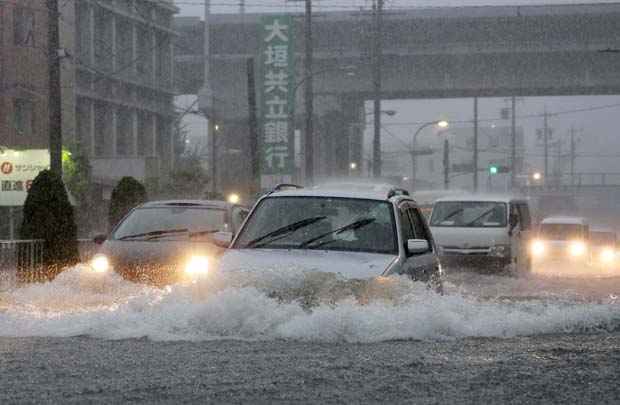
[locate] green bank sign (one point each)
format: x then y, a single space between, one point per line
276 88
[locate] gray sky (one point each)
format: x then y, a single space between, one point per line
600 141
195 7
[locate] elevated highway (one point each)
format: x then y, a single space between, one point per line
428 53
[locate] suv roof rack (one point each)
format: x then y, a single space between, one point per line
397 191
282 186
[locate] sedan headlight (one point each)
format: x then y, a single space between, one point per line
197 265
537 248
577 248
499 251
100 263
608 255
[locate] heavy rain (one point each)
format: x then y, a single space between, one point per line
317 201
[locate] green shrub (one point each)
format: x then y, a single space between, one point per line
48 215
127 194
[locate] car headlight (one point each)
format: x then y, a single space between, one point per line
100 263
197 265
538 247
577 248
608 255
499 251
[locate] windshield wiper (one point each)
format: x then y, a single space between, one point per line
201 233
283 231
450 215
352 226
479 217
151 234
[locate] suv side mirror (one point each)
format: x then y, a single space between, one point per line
222 239
99 239
418 246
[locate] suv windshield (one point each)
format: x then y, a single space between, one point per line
171 222
344 224
562 231
470 214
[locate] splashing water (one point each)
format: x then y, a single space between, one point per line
284 304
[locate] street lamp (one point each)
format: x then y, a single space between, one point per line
537 176
440 124
353 166
390 113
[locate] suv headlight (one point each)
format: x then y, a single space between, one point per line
100 263
499 251
197 265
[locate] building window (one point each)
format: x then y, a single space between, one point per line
23 24
24 116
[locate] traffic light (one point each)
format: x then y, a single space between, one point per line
495 169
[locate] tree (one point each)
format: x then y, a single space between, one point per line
128 193
77 175
48 215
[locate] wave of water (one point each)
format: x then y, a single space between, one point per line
312 307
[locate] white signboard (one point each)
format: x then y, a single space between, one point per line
18 168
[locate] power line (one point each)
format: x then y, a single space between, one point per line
521 117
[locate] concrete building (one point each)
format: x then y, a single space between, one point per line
23 75
124 87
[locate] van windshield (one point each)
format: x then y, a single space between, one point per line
562 231
469 214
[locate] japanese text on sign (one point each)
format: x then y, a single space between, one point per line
276 89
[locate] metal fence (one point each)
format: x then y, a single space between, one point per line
22 260
26 255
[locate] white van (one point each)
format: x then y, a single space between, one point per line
487 232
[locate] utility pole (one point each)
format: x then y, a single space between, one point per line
206 104
513 146
253 124
475 157
309 94
573 156
546 144
241 6
558 166
446 164
377 62
55 101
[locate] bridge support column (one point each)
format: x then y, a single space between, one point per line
339 135
233 157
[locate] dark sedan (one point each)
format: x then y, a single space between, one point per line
164 242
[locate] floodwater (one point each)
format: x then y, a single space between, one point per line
291 336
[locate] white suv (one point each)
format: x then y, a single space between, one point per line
360 234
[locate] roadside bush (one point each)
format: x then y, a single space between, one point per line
48 215
128 193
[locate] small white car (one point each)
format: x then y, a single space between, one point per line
483 232
562 242
359 234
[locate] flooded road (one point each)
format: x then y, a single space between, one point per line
490 338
